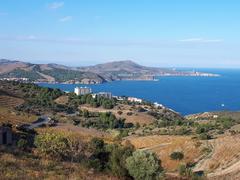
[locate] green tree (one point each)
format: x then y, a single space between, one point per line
85 113
96 145
99 157
117 159
177 155
144 165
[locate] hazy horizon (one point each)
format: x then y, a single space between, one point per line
155 33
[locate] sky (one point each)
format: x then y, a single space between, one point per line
163 33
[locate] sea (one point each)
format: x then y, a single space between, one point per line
186 95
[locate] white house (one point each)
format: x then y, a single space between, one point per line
82 90
103 94
133 99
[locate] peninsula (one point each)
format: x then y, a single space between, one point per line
107 72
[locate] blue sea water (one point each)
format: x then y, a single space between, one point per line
186 95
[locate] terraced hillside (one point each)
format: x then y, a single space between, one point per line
163 146
224 158
10 102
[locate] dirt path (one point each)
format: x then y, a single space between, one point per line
156 146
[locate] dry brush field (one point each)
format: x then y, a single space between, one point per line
163 146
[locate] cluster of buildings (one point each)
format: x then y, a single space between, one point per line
134 99
86 90
15 79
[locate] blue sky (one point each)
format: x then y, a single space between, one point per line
170 33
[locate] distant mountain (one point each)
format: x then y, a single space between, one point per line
46 73
111 71
127 66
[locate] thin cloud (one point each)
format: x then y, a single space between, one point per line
201 40
65 19
98 42
55 5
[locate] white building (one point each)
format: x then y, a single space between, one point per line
133 99
103 94
82 90
157 105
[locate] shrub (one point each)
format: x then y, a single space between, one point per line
52 144
119 112
22 144
129 113
204 136
144 165
137 125
184 170
177 155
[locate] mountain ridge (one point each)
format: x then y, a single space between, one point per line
99 73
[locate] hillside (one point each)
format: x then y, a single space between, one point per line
208 141
118 70
46 73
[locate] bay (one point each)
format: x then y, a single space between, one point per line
186 95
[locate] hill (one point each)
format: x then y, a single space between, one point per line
117 70
46 73
208 141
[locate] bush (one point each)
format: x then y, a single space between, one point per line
177 155
129 113
183 170
53 145
204 136
22 144
119 112
144 165
137 125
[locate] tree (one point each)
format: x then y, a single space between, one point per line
99 157
76 148
144 165
177 155
117 159
85 113
52 144
96 145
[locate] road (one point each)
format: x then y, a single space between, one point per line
43 120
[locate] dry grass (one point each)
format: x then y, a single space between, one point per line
62 100
9 101
26 166
163 146
136 117
85 134
225 153
10 116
